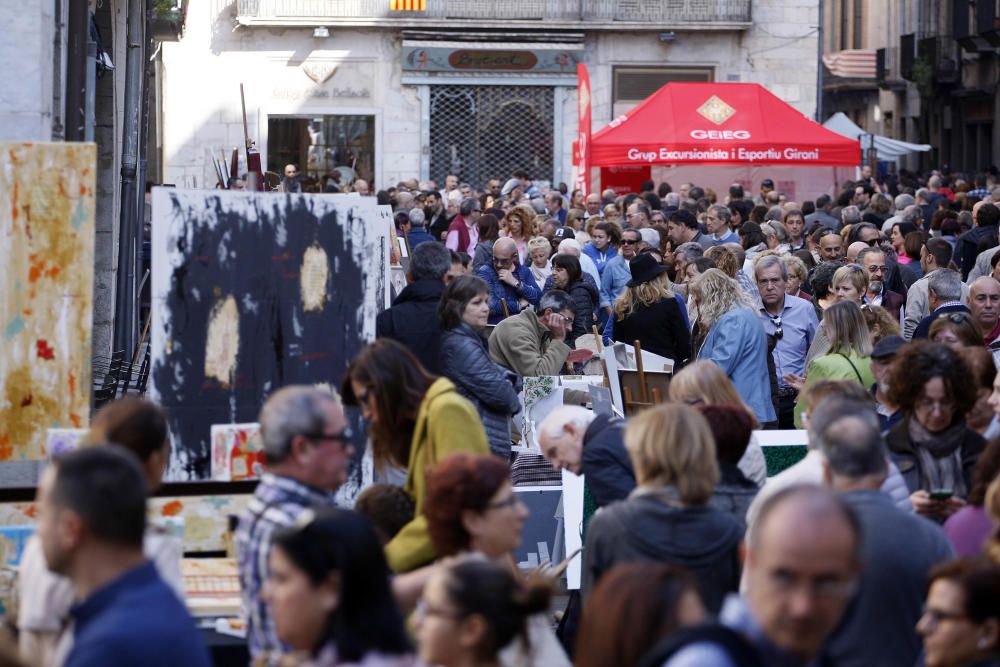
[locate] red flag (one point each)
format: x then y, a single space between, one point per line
583 122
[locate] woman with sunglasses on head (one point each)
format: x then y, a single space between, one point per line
471 609
956 330
933 445
414 420
329 593
471 508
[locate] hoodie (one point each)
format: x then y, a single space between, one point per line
652 525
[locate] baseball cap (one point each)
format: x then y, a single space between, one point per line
887 347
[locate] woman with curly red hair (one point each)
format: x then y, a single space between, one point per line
471 507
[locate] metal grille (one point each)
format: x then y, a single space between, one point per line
481 132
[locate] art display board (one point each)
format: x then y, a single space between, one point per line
47 214
237 452
572 487
251 292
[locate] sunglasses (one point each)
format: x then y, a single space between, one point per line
954 318
778 331
627 242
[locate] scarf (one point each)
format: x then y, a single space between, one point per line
940 456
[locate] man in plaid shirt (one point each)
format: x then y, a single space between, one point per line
307 449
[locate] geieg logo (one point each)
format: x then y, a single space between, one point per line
720 134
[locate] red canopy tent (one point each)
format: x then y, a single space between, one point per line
718 124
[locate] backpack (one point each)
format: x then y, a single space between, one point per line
740 651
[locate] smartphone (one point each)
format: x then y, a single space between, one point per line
941 494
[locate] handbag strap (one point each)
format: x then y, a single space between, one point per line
855 368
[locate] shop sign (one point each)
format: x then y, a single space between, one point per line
444 59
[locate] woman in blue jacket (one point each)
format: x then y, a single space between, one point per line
465 359
734 339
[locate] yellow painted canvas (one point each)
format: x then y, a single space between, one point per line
47 213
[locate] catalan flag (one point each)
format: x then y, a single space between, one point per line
407 5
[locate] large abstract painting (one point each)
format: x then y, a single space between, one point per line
252 292
46 292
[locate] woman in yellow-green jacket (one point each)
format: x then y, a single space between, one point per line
849 357
414 420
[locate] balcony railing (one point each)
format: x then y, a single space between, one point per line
583 13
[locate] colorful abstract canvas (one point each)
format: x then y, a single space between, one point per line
46 292
237 452
252 292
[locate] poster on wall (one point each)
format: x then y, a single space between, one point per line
252 292
47 213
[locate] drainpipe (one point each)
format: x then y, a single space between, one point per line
819 65
77 36
125 276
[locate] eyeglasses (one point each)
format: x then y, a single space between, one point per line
503 262
343 437
567 320
877 269
424 610
935 616
628 242
778 332
505 503
944 405
874 242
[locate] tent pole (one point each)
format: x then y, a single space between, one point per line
819 64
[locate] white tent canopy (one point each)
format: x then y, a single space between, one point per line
888 149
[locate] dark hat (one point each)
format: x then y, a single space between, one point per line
887 347
644 268
767 182
564 233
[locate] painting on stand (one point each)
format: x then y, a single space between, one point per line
46 292
252 292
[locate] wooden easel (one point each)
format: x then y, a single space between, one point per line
651 387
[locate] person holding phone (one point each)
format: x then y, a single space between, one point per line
932 445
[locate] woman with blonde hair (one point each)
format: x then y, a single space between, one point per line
518 225
850 282
703 383
880 323
666 519
612 214
648 311
734 339
539 251
849 356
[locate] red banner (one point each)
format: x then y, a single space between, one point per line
583 122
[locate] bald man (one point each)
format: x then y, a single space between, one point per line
802 567
984 302
512 286
854 250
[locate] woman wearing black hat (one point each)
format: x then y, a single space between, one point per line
648 311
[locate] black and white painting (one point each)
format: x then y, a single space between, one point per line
252 292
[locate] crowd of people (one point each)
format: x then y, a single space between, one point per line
869 320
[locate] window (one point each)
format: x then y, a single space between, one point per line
321 144
634 84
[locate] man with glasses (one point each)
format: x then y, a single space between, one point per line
878 294
802 566
593 204
637 215
792 322
512 285
307 446
616 271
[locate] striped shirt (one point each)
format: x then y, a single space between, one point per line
276 503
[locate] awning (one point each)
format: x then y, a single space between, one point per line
718 123
888 149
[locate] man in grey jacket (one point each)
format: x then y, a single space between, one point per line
934 255
898 548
